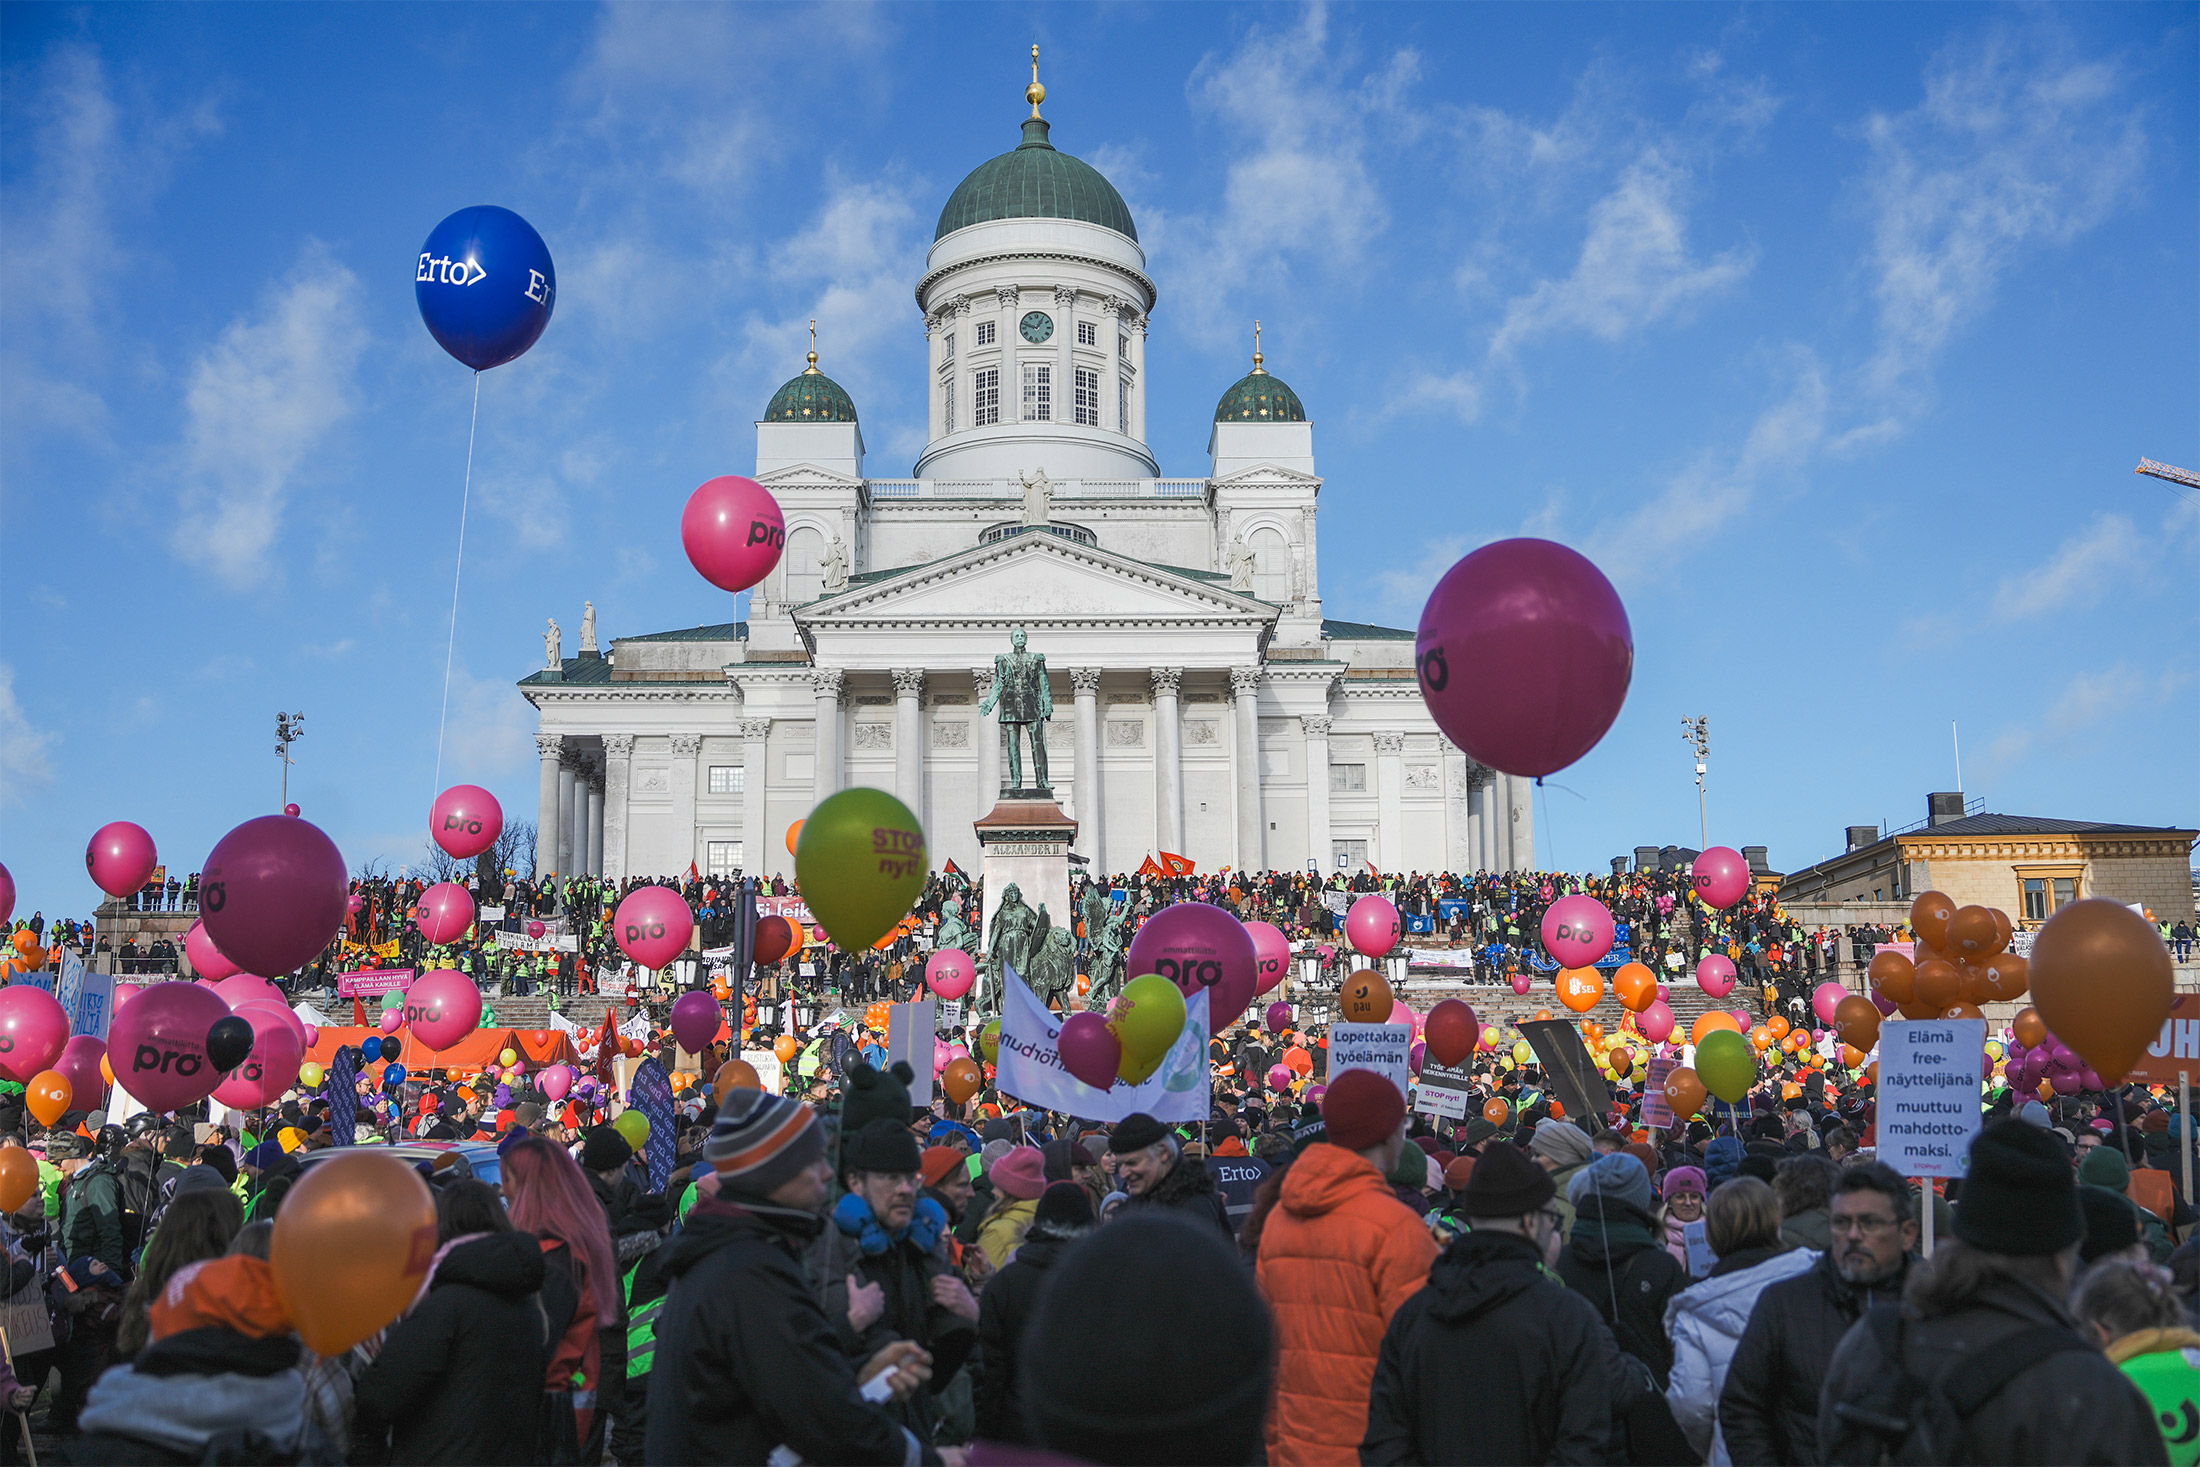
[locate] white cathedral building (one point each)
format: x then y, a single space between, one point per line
1205 707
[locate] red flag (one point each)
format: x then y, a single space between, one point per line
604 1047
358 1012
693 874
1176 865
952 869
1148 867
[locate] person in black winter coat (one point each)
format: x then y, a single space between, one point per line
1065 1214
1152 1166
1616 1259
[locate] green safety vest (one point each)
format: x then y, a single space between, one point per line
641 1329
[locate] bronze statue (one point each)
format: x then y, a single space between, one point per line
1014 936
1026 703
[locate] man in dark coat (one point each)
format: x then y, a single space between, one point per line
1064 1214
746 1361
1616 1259
1768 1409
1494 1361
1151 1165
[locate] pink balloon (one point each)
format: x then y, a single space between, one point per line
1325 952
2064 1082
733 532
207 960
1400 1014
313 1035
2089 1079
273 894
1577 930
79 1065
949 972
270 1068
1271 956
940 1054
120 857
244 988
157 1046
1524 655
1278 1016
442 1007
1881 1002
465 820
1720 875
1372 926
1415 1056
1655 1022
653 925
1715 975
355 903
445 911
34 1029
1089 1049
957 1051
695 1020
7 894
556 1081
1279 1077
1824 998
1520 984
1198 946
1741 1017
1665 993
292 809
1314 1094
536 929
390 1022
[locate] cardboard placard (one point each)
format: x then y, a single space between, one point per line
1929 1091
1443 1091
1383 1048
1574 1078
910 1035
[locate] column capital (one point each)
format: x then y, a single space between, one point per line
908 682
548 745
1390 741
1065 297
618 746
572 759
826 681
1166 681
753 728
1006 296
1084 679
959 304
686 745
1315 724
1244 680
1114 305
983 677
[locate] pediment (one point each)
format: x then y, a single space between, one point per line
804 476
1265 474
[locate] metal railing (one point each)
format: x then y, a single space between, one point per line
1063 489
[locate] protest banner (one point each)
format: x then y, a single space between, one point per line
1929 1094
1031 1066
88 997
768 1069
1384 1048
1443 1091
1657 1112
373 982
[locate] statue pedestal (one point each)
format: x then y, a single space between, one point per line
1026 840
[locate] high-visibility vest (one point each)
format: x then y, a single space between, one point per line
641 1329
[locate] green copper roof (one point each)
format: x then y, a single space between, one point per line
812 397
1260 397
1035 182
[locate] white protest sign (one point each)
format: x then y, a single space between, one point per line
1443 1091
1929 1094
766 1064
1384 1048
910 1036
1031 1066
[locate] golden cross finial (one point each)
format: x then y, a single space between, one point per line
1258 369
811 370
1035 93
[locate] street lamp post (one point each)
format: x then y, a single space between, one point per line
1697 733
289 728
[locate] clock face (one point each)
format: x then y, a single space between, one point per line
1037 326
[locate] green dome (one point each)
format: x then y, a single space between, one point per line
1260 397
1035 182
812 397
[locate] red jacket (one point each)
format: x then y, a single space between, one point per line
1338 1256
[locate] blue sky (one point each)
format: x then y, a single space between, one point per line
1833 333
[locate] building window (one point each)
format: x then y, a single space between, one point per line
1271 565
1122 407
2035 899
947 403
728 779
722 856
1087 334
1038 394
2066 891
947 347
985 333
1348 779
1351 854
1122 347
985 397
802 567
1088 397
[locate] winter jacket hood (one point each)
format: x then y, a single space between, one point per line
508 1265
1481 1271
190 1388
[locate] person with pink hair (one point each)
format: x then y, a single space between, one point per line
547 1194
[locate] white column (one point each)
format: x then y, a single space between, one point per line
1521 799
1457 824
909 739
1500 812
755 840
595 823
546 814
1317 790
566 831
1065 362
1245 705
1086 683
1389 800
985 731
1138 378
935 357
1111 312
1012 376
579 814
618 774
1168 769
825 683
1474 817
685 746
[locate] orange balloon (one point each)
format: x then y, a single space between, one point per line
735 1074
794 834
1542 1016
1939 983
1580 988
2008 976
1972 933
1963 1011
1367 998
351 1247
1684 1091
1623 1060
18 1179
2047 1091
1711 1021
962 1079
786 1047
1778 1025
2003 930
1497 1112
1894 975
1917 1009
1851 1056
2028 1028
24 942
1592 1031
2102 979
1635 986
47 1097
1760 1038
1856 1020
1929 916
106 1071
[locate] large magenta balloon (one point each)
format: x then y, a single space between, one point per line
34 1029
1656 1022
272 1065
733 532
79 1065
7 894
1372 926
1198 947
1524 655
652 925
556 1081
445 911
120 857
696 1018
244 988
1715 974
1090 1050
207 960
273 894
1271 956
949 972
1278 1016
1720 876
465 820
1577 930
157 1047
442 1008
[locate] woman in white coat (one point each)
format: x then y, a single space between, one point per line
1705 1321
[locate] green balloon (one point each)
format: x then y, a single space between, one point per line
1146 1017
393 1000
1726 1065
633 1125
860 862
989 1042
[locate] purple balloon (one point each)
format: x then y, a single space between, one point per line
273 894
1884 1004
207 960
1196 946
1278 1016
444 912
157 1046
34 1029
7 894
2090 1079
79 1065
1524 655
695 1020
1089 1049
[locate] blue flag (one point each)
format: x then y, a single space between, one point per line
651 1094
343 1096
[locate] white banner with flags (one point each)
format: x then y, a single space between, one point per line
1031 1067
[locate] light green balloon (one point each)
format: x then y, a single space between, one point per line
989 1042
1147 1016
633 1125
1726 1065
860 862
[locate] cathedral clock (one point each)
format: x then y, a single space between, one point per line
1036 326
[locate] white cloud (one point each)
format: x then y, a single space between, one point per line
261 402
23 761
2103 695
491 730
2101 554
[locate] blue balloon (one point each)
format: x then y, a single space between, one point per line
394 1075
485 285
370 1049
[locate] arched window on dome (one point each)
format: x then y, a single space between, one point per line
804 564
1271 565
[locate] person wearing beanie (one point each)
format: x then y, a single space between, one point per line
746 1360
1616 1259
1018 1179
868 1095
1993 1304
1116 1369
1062 1214
1683 1192
1562 1149
1151 1166
2104 1167
1494 1360
1338 1254
604 1157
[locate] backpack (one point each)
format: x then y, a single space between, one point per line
1908 1418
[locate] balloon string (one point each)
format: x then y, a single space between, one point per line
451 646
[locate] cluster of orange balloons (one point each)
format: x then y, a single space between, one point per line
875 1016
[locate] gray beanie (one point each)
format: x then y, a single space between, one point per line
1562 1142
1619 1177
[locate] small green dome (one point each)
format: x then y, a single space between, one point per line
812 397
1036 181
1260 397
